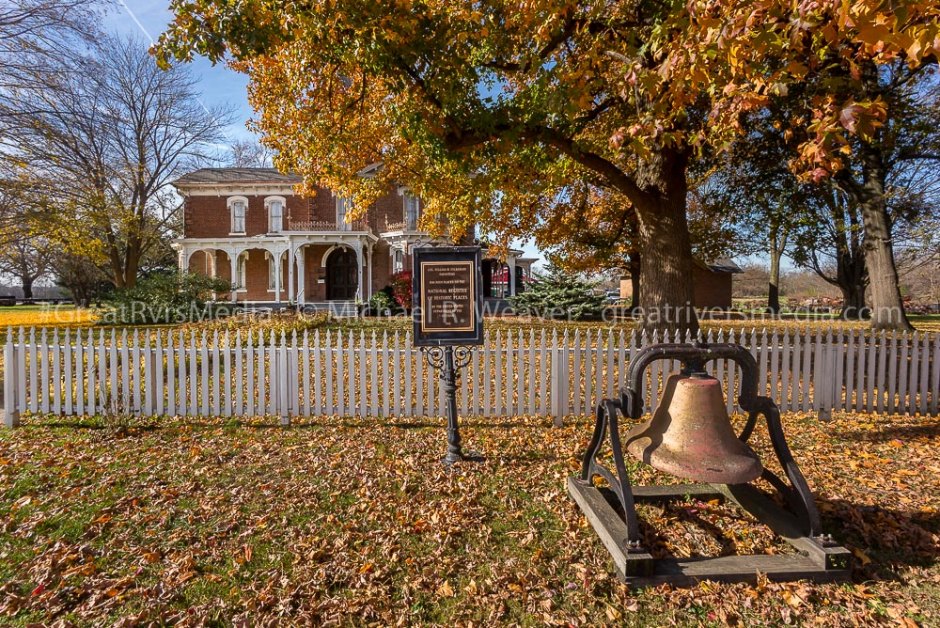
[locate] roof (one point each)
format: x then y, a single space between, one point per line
723 265
211 176
221 176
371 169
720 265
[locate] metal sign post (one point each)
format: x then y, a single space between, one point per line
447 308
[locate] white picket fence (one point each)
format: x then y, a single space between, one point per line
160 372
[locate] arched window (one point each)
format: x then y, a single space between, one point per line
238 206
275 205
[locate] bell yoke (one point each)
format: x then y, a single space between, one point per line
691 436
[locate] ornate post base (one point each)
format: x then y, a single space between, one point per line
448 361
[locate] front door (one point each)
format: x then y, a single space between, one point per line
342 276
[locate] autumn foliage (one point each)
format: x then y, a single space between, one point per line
491 112
402 288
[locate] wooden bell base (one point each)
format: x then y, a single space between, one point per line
811 562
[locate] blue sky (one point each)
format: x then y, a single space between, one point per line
220 85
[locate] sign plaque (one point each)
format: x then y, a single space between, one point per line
447 309
447 301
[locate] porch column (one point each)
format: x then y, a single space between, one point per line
359 260
290 274
277 275
233 262
182 257
511 263
369 284
301 280
211 255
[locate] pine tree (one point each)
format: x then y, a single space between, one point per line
560 295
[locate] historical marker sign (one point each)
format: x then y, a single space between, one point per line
446 296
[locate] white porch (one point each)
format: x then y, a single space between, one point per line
297 269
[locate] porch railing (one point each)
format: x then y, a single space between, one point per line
327 225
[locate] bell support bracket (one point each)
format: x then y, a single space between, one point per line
612 511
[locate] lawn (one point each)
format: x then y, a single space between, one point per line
46 316
356 522
68 316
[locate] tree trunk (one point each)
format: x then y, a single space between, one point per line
853 301
116 267
851 271
887 305
27 283
665 246
131 266
852 279
635 268
773 289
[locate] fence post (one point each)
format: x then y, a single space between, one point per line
287 383
11 414
559 385
826 378
935 387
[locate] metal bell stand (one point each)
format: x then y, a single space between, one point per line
612 511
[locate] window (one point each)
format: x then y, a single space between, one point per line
238 205
343 206
399 262
275 205
412 207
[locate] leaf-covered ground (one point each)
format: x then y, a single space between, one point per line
46 316
356 522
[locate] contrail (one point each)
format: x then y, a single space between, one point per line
136 21
150 37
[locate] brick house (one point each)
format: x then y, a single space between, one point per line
248 226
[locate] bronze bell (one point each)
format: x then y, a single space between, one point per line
690 435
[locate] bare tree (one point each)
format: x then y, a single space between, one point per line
250 154
80 276
831 244
113 136
35 33
28 258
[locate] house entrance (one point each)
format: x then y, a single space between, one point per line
342 275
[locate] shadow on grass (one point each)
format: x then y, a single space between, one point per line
91 424
884 541
929 429
274 423
890 539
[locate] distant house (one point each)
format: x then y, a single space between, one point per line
503 279
711 281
